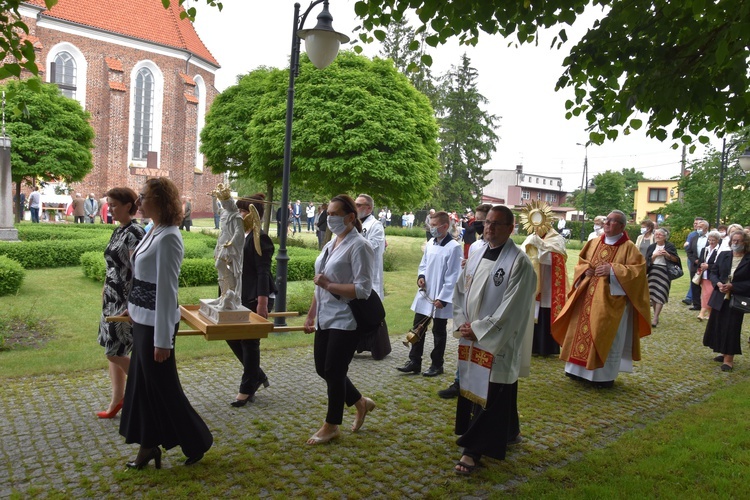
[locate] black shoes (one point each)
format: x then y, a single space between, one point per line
194 460
687 302
145 455
451 392
726 368
695 308
433 371
719 358
410 367
239 403
603 385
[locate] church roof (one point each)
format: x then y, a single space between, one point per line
142 19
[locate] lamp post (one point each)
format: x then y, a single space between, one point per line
744 161
585 187
322 43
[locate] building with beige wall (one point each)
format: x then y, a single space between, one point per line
650 196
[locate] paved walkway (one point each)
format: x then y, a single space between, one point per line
52 445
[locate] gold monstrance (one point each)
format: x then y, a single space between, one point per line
536 217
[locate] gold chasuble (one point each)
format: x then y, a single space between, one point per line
588 323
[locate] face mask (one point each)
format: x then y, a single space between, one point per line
597 227
643 230
434 232
723 234
738 248
479 226
700 232
336 224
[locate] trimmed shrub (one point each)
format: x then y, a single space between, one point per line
52 253
94 266
299 297
198 272
11 276
414 232
197 249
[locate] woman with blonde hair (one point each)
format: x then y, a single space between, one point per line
156 411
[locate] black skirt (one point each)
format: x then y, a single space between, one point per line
723 331
543 343
156 411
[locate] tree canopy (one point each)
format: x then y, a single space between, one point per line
682 64
53 139
359 125
610 194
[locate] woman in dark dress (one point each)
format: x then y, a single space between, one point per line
659 281
117 337
258 289
730 275
156 411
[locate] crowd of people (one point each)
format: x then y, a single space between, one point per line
507 302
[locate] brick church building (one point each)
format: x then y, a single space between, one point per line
145 77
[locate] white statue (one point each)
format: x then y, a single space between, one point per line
228 252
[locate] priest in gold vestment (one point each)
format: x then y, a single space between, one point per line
607 310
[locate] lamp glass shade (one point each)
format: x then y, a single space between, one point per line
745 160
591 188
322 47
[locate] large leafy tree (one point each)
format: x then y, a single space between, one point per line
467 139
52 139
682 64
359 125
631 176
610 194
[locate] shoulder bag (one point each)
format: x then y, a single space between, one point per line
369 313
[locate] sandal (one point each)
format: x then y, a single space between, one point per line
469 468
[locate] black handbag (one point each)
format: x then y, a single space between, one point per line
740 303
674 270
369 313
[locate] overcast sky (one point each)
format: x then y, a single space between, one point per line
518 82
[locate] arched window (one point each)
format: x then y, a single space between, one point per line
143 113
146 104
66 67
64 74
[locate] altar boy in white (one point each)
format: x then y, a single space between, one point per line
438 272
493 313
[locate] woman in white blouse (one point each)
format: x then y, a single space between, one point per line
343 271
156 411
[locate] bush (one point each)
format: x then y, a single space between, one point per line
197 249
11 276
198 272
94 266
52 253
299 297
46 232
414 232
390 261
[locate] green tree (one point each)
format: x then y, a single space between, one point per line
467 139
682 64
358 126
610 194
52 140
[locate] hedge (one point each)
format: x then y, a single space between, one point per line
11 276
94 266
52 253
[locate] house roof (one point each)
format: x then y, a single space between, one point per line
142 19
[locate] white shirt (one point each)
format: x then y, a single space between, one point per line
349 262
374 233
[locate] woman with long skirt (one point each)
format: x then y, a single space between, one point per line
156 411
659 281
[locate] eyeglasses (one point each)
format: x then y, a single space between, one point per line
496 224
611 221
361 204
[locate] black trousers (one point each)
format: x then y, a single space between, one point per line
156 411
248 352
440 335
333 351
486 431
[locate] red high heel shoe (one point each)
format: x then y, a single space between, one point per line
110 414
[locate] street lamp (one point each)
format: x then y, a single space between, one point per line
744 161
587 188
322 44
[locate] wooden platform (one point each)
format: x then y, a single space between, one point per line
257 328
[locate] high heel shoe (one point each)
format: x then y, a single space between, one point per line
369 406
110 414
264 383
144 457
239 403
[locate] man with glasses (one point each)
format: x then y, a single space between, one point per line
493 314
438 272
607 310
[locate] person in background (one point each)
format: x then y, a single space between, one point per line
216 207
105 216
19 205
79 210
730 275
694 250
91 207
187 212
117 337
35 203
659 280
296 214
598 227
646 237
707 261
321 224
257 294
688 300
725 244
427 231
156 411
310 214
343 271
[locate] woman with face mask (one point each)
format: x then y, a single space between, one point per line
707 260
598 227
730 275
646 237
343 271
